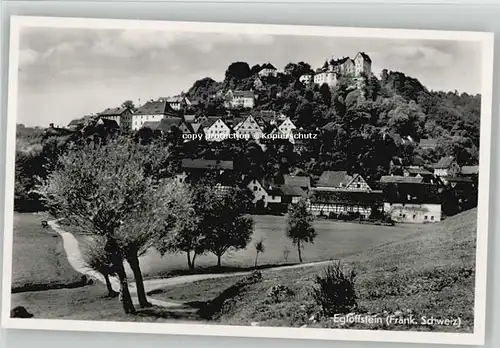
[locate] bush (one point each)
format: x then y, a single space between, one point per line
334 291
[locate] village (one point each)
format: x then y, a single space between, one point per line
411 192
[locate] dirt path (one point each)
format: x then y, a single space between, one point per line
75 259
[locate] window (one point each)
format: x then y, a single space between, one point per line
414 217
263 197
255 188
432 217
426 217
404 215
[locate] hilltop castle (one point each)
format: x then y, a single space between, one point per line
335 68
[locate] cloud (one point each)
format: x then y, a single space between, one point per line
421 55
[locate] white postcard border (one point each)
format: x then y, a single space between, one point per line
475 338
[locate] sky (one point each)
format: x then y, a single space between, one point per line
66 73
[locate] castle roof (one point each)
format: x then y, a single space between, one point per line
113 111
158 107
267 66
365 56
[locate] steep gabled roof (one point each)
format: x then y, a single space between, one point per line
210 121
401 179
296 180
156 107
365 56
289 190
113 111
166 124
267 66
196 127
331 178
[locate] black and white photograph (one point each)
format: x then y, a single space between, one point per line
247 180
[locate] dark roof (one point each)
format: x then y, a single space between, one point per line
469 170
296 180
80 121
108 123
346 197
209 121
418 161
243 94
418 171
411 193
189 118
289 190
113 111
157 107
267 114
274 191
196 127
151 125
166 124
339 61
206 164
365 56
444 162
267 66
334 178
401 179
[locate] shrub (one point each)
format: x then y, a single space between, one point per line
334 291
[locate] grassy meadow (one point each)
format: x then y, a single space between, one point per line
39 259
428 273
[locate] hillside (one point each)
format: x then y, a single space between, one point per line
430 273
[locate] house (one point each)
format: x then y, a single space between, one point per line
397 179
258 191
362 64
177 102
428 143
164 126
419 172
186 128
409 200
304 182
292 194
306 79
287 126
324 75
56 131
152 111
249 129
79 123
447 166
344 201
342 180
215 129
239 99
267 70
268 116
122 116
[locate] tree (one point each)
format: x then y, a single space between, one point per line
104 190
238 71
95 258
227 227
259 248
189 237
129 105
300 226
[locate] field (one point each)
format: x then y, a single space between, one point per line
429 273
39 260
334 240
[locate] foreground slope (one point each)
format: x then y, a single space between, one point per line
430 273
